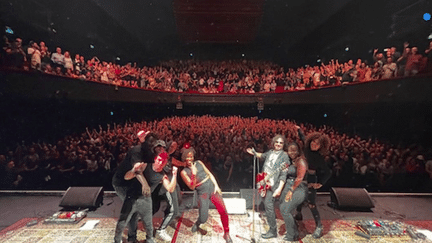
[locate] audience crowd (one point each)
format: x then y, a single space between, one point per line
90 158
232 76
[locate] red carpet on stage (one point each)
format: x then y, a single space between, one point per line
241 230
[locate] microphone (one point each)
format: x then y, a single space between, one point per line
254 152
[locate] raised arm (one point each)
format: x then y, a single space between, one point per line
252 151
189 181
301 134
137 172
137 169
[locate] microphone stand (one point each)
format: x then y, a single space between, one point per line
253 200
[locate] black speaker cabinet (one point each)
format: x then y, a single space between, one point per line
82 197
351 198
248 195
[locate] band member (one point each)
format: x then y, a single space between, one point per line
173 199
158 178
197 177
295 191
135 192
163 184
274 160
316 146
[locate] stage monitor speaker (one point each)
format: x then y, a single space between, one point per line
351 198
82 197
248 195
235 205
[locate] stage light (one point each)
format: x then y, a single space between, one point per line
430 37
112 113
191 54
9 30
91 46
427 16
325 114
243 54
118 58
347 48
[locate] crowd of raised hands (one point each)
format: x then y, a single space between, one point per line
230 76
90 158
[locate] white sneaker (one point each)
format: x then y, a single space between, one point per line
164 235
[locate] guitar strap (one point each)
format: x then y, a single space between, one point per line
275 165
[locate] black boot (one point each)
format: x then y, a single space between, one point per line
195 228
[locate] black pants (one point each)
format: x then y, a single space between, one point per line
172 200
269 206
299 196
311 200
132 208
205 195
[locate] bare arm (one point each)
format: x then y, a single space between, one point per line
137 172
189 181
88 133
178 163
251 152
278 191
170 185
145 186
137 169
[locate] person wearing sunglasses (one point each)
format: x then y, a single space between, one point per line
271 185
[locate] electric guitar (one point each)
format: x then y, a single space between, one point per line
262 179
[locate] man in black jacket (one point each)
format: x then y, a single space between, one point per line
135 192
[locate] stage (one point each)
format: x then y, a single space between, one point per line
400 211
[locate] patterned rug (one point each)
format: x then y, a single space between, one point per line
241 228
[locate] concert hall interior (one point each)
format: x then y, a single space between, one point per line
324 105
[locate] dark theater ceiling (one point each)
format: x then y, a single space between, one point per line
291 33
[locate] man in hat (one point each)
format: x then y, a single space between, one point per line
162 184
134 190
